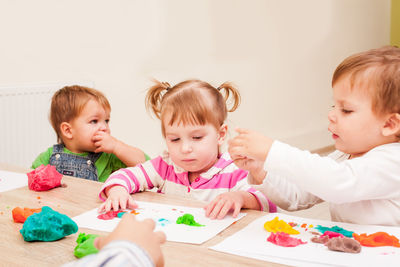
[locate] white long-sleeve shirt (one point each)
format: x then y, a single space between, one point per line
363 190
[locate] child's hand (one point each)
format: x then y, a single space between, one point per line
117 199
255 168
139 232
249 144
104 142
223 203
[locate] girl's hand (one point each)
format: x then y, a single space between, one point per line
118 199
249 144
104 142
223 203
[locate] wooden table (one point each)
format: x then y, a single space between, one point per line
79 196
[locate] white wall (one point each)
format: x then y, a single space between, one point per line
280 53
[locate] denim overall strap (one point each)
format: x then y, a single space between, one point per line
74 165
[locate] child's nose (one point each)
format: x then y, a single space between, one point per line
332 116
103 127
186 147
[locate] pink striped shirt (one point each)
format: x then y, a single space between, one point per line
169 178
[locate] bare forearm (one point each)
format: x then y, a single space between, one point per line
129 155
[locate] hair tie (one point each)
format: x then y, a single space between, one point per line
219 88
166 85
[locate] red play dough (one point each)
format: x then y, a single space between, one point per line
44 178
331 234
108 215
284 240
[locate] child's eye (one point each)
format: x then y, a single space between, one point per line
93 121
174 139
346 111
108 121
197 137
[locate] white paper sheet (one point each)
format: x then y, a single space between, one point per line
12 180
252 242
165 217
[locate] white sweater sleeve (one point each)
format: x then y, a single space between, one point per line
287 195
116 253
375 175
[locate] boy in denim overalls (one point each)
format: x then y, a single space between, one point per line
85 148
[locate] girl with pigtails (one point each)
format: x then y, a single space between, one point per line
192 115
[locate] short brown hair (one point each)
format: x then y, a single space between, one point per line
192 102
68 102
380 69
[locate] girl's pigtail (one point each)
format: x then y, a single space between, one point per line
229 89
154 97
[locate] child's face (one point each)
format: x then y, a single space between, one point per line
194 148
92 119
355 128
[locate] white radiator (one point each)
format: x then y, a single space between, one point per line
24 121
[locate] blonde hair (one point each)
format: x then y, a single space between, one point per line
380 69
191 102
68 102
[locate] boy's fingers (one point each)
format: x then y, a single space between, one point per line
241 131
161 237
99 242
150 223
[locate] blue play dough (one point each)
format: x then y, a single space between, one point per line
47 225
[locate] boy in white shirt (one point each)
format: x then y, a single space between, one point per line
361 179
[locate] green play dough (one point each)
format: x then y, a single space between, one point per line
85 245
47 225
187 219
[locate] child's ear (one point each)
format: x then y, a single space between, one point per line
392 125
223 132
66 130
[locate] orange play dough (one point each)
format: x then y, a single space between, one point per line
20 215
378 239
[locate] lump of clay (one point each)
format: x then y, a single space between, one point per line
85 245
336 229
377 239
44 178
344 244
320 239
331 234
109 215
284 240
20 215
277 225
48 225
187 219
